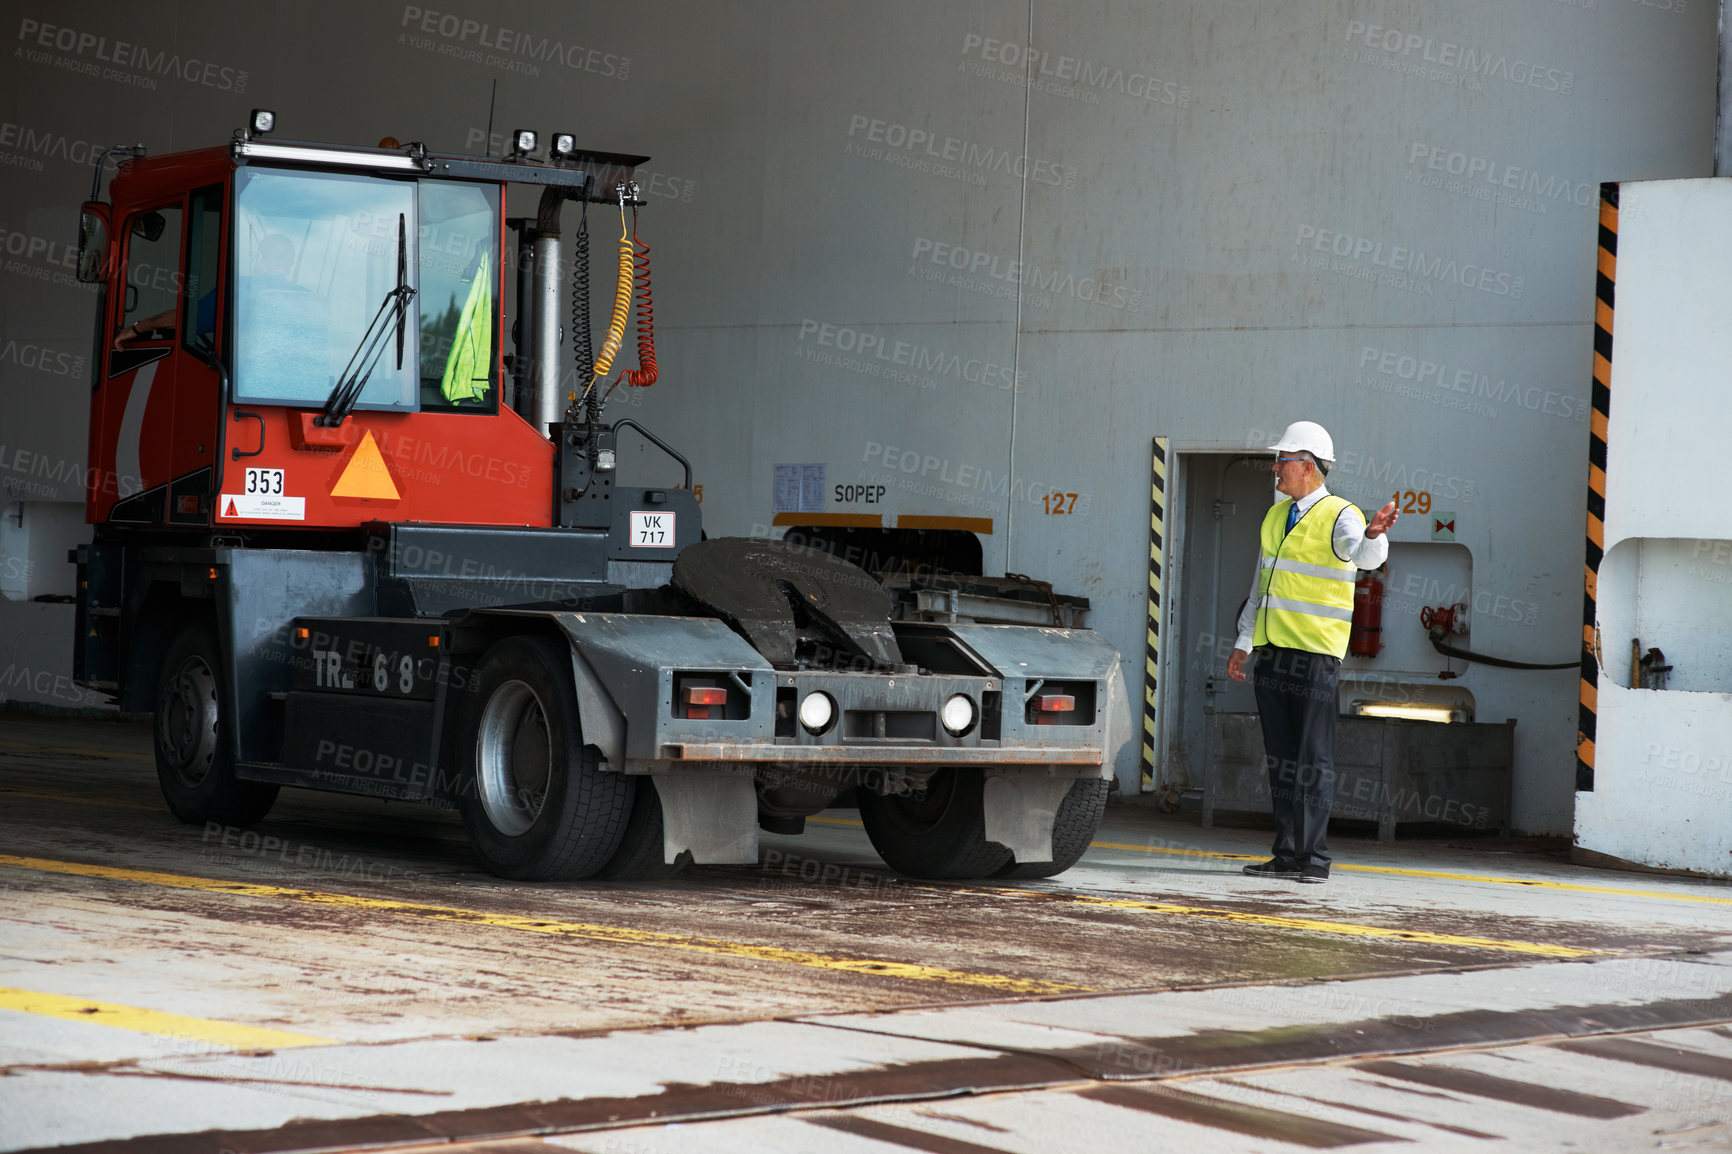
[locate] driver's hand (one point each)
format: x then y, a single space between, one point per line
1236 664
125 336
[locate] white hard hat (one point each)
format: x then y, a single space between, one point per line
1309 436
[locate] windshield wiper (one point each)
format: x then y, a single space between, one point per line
353 379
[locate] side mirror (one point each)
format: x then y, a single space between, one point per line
149 225
92 242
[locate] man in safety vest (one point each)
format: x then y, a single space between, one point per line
1299 615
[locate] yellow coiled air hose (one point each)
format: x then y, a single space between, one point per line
621 305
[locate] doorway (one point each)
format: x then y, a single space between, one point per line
1222 498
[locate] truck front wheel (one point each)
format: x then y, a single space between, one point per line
535 802
194 753
938 832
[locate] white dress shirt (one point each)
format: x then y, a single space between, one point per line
1350 544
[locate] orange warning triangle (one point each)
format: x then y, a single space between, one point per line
366 475
230 511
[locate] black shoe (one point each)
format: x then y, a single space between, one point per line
1314 874
1275 868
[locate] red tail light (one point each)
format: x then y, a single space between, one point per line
700 698
1055 703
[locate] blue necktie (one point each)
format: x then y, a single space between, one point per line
1292 516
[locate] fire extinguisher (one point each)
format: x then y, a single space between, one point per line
1366 639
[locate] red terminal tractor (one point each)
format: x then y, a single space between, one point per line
344 540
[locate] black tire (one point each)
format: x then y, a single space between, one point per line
1079 815
535 801
641 855
938 833
194 749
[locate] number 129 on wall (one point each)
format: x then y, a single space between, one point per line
651 530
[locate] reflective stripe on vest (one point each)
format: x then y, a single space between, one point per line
1304 591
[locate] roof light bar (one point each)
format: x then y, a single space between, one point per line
337 157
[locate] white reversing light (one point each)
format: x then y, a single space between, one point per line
957 714
817 711
523 141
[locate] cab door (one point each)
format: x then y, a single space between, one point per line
136 399
160 397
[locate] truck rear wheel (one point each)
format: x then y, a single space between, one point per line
938 832
641 855
537 806
194 753
1079 815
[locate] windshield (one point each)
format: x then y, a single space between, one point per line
316 253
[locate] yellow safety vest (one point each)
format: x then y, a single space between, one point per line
1304 591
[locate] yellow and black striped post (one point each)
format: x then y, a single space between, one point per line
1605 284
1152 645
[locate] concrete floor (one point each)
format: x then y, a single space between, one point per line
345 976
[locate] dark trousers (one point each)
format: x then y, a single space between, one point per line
1297 704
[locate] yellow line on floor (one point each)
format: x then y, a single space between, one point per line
1348 928
70 799
1445 875
620 935
231 1035
1312 924
75 751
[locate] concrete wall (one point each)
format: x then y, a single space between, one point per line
982 252
1662 791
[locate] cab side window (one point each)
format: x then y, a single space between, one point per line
152 272
203 254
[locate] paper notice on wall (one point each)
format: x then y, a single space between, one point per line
799 489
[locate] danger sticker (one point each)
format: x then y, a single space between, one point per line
259 507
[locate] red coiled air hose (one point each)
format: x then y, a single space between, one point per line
645 373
